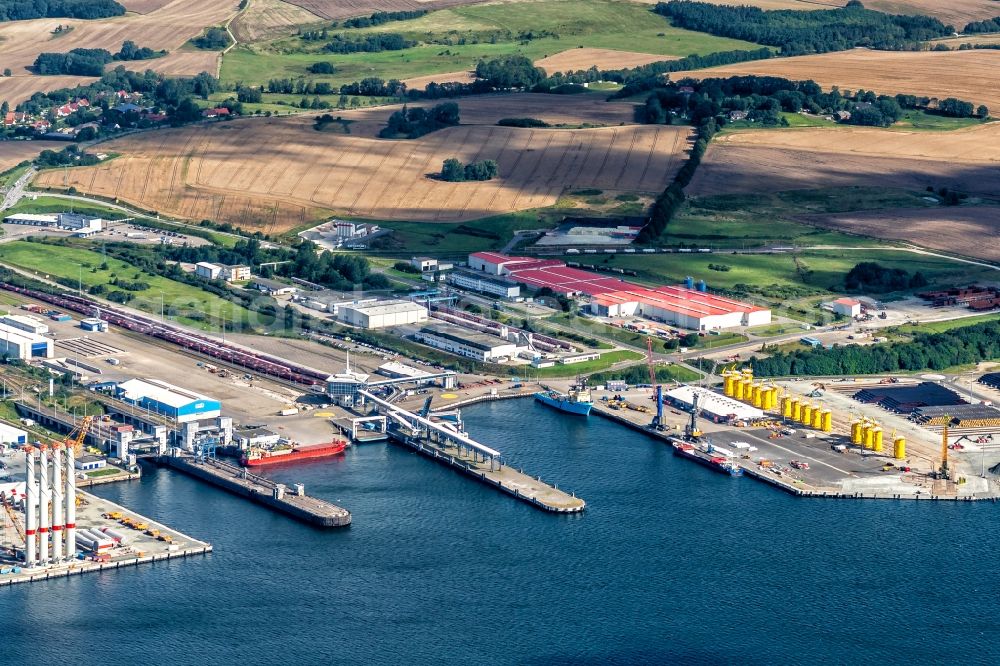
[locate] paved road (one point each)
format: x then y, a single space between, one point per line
17 190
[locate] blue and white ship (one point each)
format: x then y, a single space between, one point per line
577 401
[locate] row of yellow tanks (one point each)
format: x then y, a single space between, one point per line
740 385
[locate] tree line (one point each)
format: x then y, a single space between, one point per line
763 99
378 18
90 62
927 351
23 10
384 41
815 31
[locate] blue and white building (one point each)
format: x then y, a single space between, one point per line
23 345
170 401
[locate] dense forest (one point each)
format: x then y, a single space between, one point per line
977 27
78 62
416 121
383 41
934 351
514 71
214 39
816 31
90 62
874 277
22 10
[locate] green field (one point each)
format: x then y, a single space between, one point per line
921 120
42 204
189 304
456 39
739 221
787 276
606 361
771 330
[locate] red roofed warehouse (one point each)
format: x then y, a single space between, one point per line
614 297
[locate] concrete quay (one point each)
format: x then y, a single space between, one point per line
514 482
832 475
239 481
142 547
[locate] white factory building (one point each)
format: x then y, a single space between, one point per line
848 307
171 401
81 224
229 273
27 323
23 345
470 344
718 408
484 284
12 435
382 314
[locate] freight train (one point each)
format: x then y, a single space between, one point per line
259 363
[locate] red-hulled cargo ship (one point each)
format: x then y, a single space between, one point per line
259 457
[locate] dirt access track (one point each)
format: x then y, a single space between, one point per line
797 159
276 174
967 75
968 230
167 27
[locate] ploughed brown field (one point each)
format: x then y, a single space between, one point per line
179 63
773 160
340 9
143 6
168 27
13 153
420 82
966 230
275 174
572 60
266 19
16 89
967 75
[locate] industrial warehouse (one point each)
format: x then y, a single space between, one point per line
683 306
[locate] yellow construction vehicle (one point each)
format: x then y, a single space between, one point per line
75 439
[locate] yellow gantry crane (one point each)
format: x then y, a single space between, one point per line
75 439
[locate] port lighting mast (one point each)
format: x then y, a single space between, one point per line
944 472
657 423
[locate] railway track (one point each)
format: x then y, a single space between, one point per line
262 364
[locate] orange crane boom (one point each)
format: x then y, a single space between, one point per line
76 437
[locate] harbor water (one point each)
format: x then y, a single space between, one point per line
670 563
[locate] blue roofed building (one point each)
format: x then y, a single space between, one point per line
171 401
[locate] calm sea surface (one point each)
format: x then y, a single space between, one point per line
671 563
